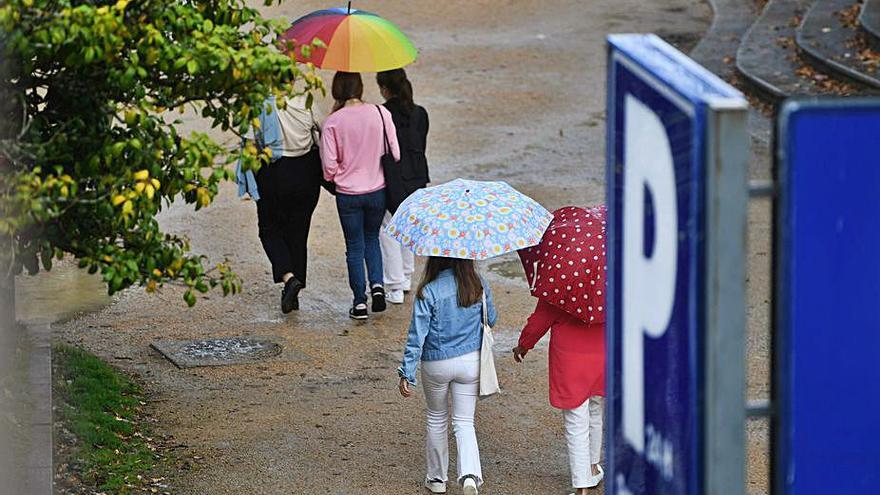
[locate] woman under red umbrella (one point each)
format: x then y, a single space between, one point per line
567 275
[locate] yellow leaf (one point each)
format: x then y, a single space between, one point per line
150 190
127 208
256 123
203 197
139 187
121 4
108 258
236 74
151 286
155 183
142 175
64 191
118 199
157 272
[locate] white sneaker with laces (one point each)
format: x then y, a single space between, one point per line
469 487
394 296
435 486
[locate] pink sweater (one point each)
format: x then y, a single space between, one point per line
352 146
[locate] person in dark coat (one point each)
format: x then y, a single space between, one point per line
411 122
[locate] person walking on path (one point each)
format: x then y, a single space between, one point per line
411 122
286 191
354 139
445 336
567 270
577 384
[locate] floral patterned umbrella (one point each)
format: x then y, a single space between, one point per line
567 268
468 219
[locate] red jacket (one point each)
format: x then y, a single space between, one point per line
577 354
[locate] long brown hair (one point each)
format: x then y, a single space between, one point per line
470 287
398 86
346 85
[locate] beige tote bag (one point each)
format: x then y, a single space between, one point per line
488 376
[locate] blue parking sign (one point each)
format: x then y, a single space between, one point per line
827 370
677 193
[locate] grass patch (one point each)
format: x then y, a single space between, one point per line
100 407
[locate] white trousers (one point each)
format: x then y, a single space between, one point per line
461 376
583 432
397 261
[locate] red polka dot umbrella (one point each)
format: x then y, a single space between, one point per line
567 268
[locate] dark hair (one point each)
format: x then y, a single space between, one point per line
346 85
470 287
398 86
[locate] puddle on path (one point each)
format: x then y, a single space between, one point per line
508 267
58 295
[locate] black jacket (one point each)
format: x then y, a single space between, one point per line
412 135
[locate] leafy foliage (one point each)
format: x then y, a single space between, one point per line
89 150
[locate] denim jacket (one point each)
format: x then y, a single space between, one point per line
270 135
440 328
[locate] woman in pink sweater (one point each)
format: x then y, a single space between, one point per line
354 138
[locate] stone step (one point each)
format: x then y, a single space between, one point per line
717 49
869 18
832 41
767 58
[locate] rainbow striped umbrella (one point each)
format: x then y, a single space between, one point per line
355 41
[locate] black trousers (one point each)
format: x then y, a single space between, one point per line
289 190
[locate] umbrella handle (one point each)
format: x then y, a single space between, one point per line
349 8
534 275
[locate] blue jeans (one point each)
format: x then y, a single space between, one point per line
361 217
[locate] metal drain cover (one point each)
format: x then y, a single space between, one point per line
223 351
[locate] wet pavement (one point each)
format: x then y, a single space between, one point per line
515 91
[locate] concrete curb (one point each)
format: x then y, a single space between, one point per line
869 19
820 48
731 20
762 62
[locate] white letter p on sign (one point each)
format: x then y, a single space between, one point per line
648 282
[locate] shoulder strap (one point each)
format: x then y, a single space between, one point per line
384 132
485 309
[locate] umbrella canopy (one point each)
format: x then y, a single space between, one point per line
355 41
468 219
567 268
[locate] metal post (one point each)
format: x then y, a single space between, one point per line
727 200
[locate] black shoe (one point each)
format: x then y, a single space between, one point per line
358 312
378 294
290 295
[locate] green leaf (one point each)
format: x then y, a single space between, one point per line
190 298
192 67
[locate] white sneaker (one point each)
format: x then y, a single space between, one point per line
407 285
435 486
469 487
394 296
599 477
